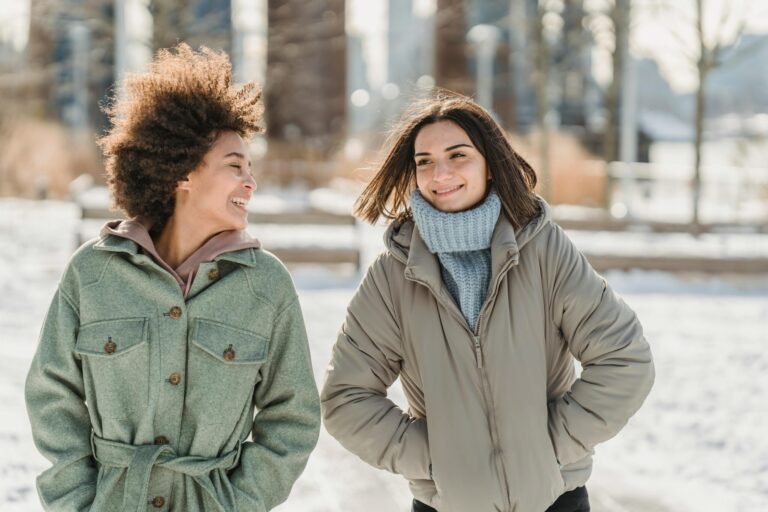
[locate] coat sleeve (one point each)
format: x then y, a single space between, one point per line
286 428
366 360
61 428
604 334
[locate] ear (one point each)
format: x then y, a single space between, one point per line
183 184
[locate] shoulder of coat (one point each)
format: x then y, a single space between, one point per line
269 278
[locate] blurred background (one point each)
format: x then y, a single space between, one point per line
646 121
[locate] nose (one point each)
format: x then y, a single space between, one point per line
250 183
442 171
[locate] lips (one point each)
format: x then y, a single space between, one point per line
240 202
446 191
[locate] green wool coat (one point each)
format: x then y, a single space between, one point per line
143 400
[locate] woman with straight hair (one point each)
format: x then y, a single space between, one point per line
170 330
480 304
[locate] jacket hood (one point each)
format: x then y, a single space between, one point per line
400 236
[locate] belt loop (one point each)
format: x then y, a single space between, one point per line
138 475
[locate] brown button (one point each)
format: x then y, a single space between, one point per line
213 274
110 346
158 501
175 312
174 379
229 354
161 440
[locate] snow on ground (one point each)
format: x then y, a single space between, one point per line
698 444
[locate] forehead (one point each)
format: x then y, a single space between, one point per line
440 135
228 142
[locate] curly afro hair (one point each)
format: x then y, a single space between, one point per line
166 120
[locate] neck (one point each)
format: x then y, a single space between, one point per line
179 239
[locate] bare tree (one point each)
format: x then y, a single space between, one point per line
705 54
619 16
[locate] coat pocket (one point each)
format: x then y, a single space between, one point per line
224 364
115 356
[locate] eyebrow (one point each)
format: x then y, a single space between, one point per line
449 148
240 156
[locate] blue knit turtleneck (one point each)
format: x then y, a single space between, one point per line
462 242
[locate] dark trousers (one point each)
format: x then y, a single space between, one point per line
576 500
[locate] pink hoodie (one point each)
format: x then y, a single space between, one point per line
226 241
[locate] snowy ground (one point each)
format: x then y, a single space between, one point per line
699 443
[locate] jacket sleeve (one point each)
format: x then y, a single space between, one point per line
604 334
366 360
61 428
286 428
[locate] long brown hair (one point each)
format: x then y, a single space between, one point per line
387 194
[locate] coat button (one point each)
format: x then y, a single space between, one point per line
158 501
175 312
213 274
174 379
161 440
110 346
229 354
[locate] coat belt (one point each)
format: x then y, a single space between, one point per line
140 459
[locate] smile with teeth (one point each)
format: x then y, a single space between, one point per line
447 190
238 201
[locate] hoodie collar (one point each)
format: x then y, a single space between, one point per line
129 236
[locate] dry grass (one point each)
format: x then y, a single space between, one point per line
39 159
575 177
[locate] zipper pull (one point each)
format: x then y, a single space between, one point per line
478 352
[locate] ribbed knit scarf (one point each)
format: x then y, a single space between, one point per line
462 242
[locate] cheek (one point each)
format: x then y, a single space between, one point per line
421 180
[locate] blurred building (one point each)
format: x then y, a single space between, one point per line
359 107
70 51
305 88
410 49
72 47
496 14
410 60
738 86
573 65
197 22
450 47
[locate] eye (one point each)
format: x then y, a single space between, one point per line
238 167
458 155
421 162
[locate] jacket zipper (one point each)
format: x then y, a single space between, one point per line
491 417
488 396
478 352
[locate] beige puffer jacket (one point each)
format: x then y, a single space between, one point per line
497 420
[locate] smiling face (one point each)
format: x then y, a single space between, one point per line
215 194
451 174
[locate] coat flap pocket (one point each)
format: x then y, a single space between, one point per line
111 338
228 344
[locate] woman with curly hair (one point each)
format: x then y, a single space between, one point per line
479 305
169 331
